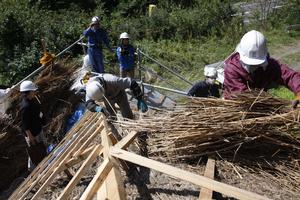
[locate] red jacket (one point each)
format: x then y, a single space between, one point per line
237 79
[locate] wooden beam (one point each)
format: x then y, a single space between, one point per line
185 175
206 194
63 158
126 141
80 172
112 187
98 179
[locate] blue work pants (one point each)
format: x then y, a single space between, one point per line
96 59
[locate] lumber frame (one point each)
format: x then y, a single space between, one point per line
68 153
88 141
80 172
185 175
107 183
42 168
75 160
206 194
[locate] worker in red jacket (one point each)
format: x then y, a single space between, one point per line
251 67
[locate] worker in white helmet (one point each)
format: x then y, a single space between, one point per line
96 37
32 121
251 67
125 53
208 87
111 90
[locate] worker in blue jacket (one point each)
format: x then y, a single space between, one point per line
208 87
126 57
96 36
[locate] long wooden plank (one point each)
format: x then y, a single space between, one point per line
185 175
98 179
63 159
126 141
206 194
26 185
80 172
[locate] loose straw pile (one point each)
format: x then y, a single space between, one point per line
206 125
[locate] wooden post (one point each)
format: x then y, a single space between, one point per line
98 179
112 187
206 194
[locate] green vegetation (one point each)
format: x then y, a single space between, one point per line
185 35
282 92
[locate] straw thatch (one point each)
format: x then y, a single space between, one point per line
57 100
255 137
206 125
57 104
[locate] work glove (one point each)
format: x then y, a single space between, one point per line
136 90
99 109
296 101
141 104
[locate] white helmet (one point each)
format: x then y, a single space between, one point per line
124 36
94 90
95 19
28 86
210 72
253 48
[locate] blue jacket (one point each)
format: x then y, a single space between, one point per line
96 37
202 89
126 57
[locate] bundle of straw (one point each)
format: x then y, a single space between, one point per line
206 125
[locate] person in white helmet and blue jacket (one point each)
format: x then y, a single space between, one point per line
96 37
126 57
252 67
110 89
